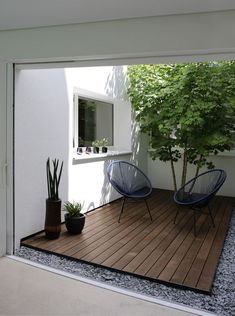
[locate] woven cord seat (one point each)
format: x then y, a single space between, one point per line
130 182
197 193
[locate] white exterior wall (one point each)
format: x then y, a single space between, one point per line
41 131
161 176
88 181
43 128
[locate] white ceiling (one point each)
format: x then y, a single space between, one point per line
34 13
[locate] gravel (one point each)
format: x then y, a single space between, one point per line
221 301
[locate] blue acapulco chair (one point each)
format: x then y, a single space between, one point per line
198 192
130 182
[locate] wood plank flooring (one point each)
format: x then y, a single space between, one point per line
159 250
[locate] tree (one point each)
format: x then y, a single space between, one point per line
188 110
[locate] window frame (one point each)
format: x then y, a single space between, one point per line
91 96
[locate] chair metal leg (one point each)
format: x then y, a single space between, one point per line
212 219
123 202
148 209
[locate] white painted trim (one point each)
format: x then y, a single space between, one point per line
83 93
3 162
10 159
83 158
131 59
114 288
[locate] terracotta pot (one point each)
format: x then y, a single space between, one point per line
53 219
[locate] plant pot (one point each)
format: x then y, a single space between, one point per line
96 150
53 219
79 150
75 224
104 149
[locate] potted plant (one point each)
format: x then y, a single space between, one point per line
74 219
53 202
104 144
88 150
96 146
100 143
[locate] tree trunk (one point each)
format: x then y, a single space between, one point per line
173 170
198 167
184 171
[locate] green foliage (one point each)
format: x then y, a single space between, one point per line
73 209
100 142
188 110
53 178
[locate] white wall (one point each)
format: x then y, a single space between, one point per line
41 131
43 127
161 176
105 84
88 181
89 185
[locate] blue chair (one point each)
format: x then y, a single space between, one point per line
130 182
197 193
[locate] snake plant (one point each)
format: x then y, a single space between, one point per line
53 178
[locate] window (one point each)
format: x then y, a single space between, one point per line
93 120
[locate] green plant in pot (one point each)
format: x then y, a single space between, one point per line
100 143
74 219
104 144
96 146
53 202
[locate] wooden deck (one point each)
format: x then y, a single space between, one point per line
159 250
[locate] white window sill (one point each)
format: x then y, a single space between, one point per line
91 157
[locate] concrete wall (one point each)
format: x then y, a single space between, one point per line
89 185
43 128
166 37
161 175
41 131
88 181
105 84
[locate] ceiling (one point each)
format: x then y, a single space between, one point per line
15 14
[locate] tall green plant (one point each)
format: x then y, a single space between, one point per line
188 110
53 178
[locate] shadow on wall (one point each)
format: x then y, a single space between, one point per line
117 83
139 146
90 207
107 190
116 87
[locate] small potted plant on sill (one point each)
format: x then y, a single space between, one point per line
104 144
53 202
74 219
96 146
